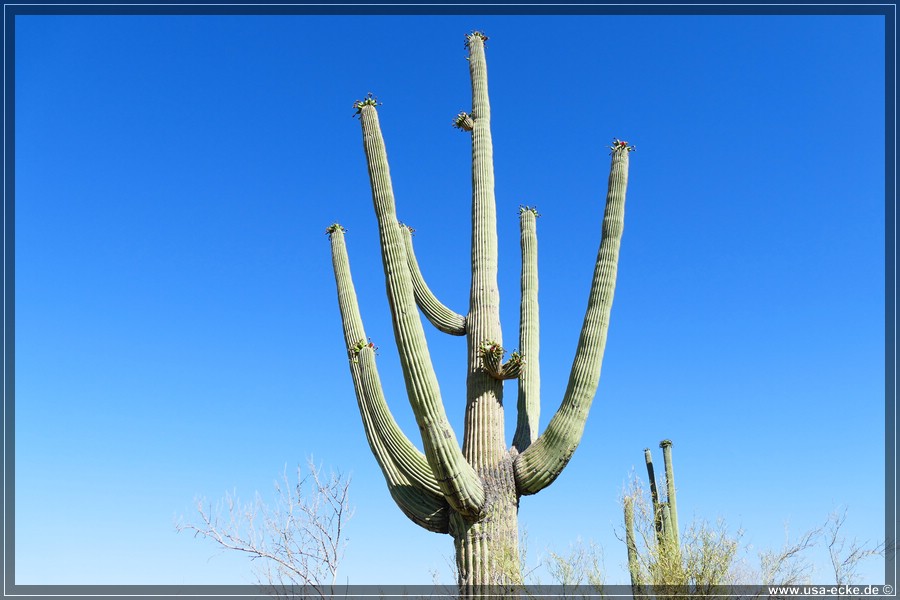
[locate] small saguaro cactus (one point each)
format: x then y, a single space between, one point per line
471 491
667 551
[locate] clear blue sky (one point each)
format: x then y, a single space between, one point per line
177 329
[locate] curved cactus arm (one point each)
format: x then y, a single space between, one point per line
411 462
419 500
544 460
529 399
421 509
458 481
440 316
401 462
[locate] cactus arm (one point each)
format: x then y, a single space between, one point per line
667 534
654 498
419 500
491 357
458 481
483 440
421 509
440 316
408 475
666 446
634 568
544 460
529 398
411 462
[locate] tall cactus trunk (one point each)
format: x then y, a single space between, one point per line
471 491
487 551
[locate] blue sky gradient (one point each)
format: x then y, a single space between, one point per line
177 329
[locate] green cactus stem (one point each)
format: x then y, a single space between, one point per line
483 443
434 310
543 461
528 402
514 367
666 446
634 568
402 450
483 544
654 495
458 480
665 520
408 475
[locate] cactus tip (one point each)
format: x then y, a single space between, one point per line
524 208
354 350
665 443
369 100
475 34
334 227
492 347
620 146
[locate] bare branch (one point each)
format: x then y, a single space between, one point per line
299 537
846 562
788 566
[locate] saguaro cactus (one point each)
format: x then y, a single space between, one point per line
666 556
472 491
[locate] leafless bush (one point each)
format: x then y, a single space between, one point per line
300 539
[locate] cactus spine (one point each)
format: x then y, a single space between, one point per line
472 491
